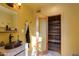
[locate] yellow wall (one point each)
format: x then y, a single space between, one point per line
22 15
69 26
5 19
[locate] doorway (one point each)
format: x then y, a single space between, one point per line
54 34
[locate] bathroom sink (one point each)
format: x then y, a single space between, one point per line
8 46
12 45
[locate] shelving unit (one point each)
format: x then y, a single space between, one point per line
54 33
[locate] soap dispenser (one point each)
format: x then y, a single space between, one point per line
17 42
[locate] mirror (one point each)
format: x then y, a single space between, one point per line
7 17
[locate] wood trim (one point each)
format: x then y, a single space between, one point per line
37 34
47 36
43 18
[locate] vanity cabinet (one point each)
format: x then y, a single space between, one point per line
21 54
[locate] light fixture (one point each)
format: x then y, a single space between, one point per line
19 5
12 4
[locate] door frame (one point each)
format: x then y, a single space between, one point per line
46 18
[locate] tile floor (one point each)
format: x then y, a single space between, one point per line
52 53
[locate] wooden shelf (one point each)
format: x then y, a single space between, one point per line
54 37
55 49
54 45
58 41
54 29
3 30
8 31
53 33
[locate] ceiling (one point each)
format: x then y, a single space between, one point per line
36 6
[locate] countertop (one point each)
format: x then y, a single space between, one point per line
12 52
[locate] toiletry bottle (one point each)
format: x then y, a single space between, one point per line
7 27
17 39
